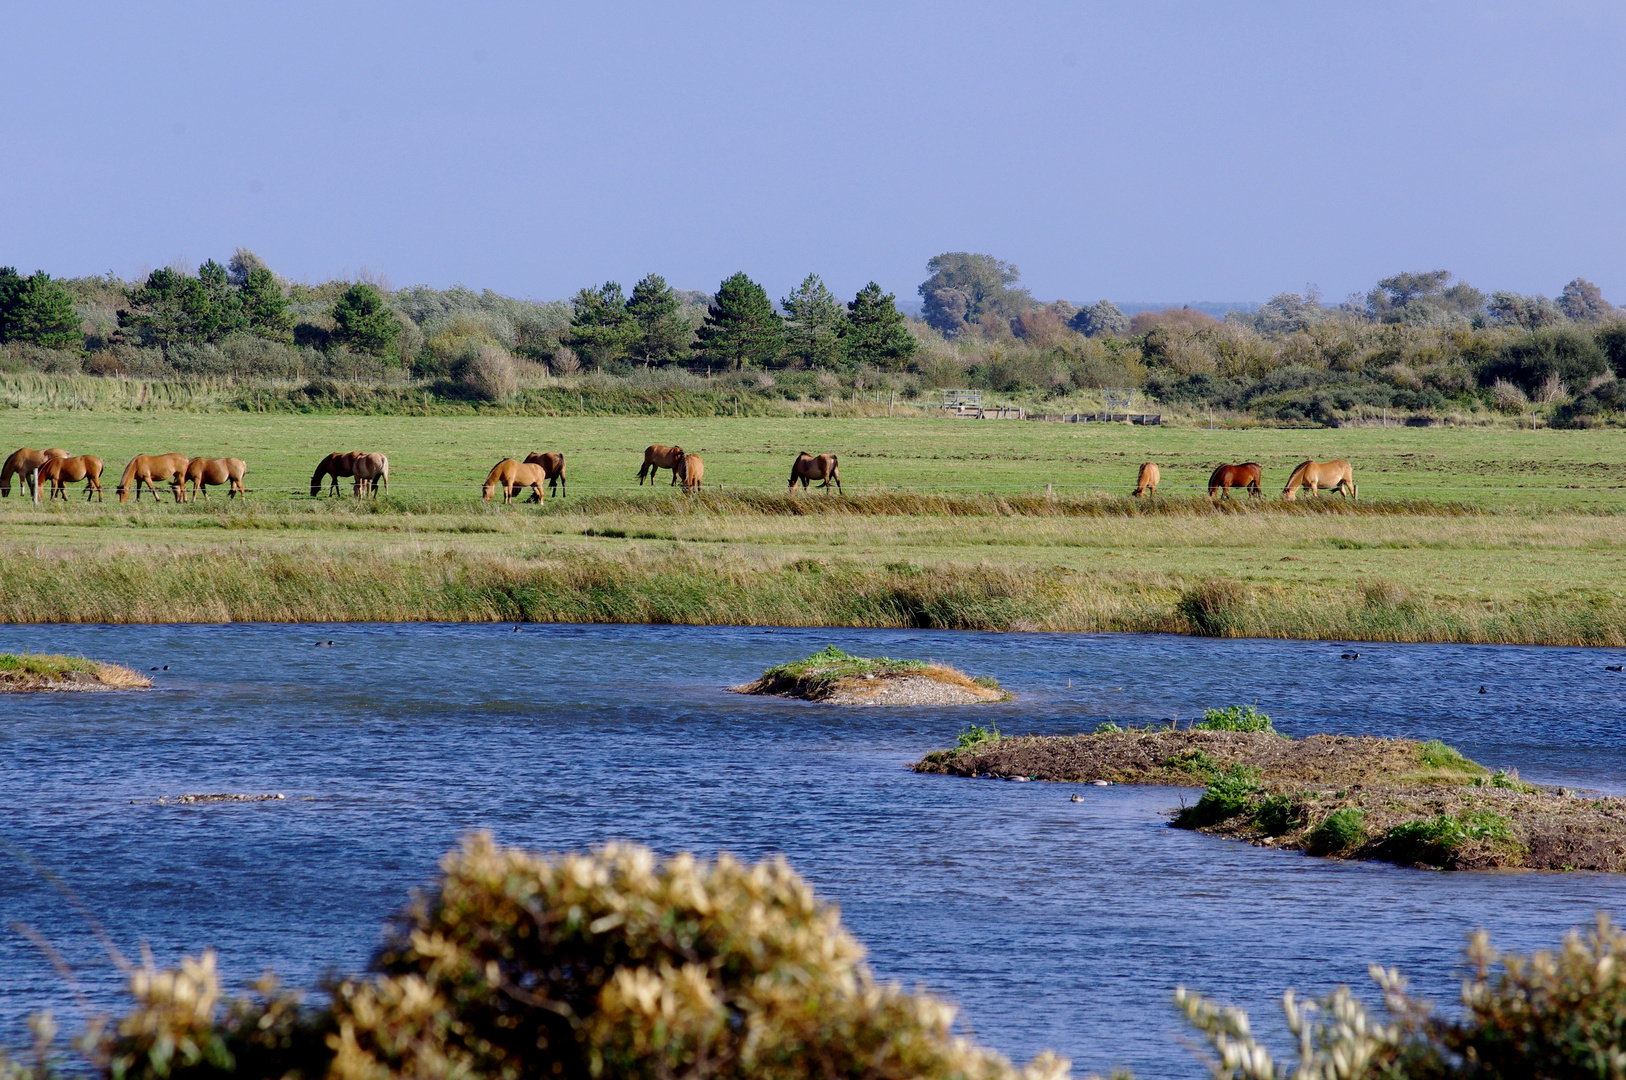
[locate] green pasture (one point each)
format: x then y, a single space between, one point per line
448 456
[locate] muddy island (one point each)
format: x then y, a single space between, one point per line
22 673
1344 797
838 678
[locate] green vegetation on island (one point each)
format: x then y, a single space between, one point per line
621 965
29 672
1394 800
838 677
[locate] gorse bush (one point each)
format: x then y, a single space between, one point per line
614 965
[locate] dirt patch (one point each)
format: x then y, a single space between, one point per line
1394 800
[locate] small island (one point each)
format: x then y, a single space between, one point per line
1345 797
838 678
24 673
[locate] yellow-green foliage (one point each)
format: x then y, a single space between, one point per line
43 664
615 965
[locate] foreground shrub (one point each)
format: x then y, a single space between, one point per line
1557 1015
614 964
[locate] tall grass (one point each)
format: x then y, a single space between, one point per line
674 585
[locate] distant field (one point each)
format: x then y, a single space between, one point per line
1480 466
1461 534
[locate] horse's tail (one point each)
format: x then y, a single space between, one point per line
123 489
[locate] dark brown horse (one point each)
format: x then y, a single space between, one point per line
331 468
806 467
553 463
657 458
1226 477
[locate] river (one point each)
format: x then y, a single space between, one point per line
1052 924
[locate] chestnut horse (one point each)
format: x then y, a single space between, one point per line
1226 477
513 475
1315 475
553 463
331 468
23 463
806 467
202 472
152 469
657 458
62 471
1146 483
691 469
369 469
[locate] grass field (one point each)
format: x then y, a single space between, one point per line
1461 534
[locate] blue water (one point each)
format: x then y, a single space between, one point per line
1053 924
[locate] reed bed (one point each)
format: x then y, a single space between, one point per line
675 585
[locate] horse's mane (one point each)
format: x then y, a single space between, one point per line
1299 472
129 471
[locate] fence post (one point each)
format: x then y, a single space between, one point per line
36 485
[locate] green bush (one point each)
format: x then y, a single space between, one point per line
1228 795
1339 831
1276 815
1234 718
975 735
1195 762
1433 840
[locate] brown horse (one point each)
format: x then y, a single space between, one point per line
62 471
657 458
201 472
513 475
1226 477
553 463
152 469
23 463
1315 475
331 468
369 469
806 467
1146 483
691 469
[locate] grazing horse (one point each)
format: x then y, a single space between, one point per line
1226 477
806 467
691 469
657 458
202 472
1146 483
62 471
23 463
369 470
513 475
152 469
1315 475
553 463
331 468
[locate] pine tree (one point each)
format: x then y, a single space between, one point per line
171 307
265 310
814 324
877 333
224 316
742 329
663 332
601 329
365 321
37 310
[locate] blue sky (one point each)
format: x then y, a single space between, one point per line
1139 151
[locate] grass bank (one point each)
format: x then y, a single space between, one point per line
1393 800
668 583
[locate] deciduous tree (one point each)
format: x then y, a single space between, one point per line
965 286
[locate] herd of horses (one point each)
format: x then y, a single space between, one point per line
370 472
59 468
1336 476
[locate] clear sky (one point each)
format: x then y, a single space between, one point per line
1140 151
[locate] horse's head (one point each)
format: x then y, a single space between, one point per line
487 490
